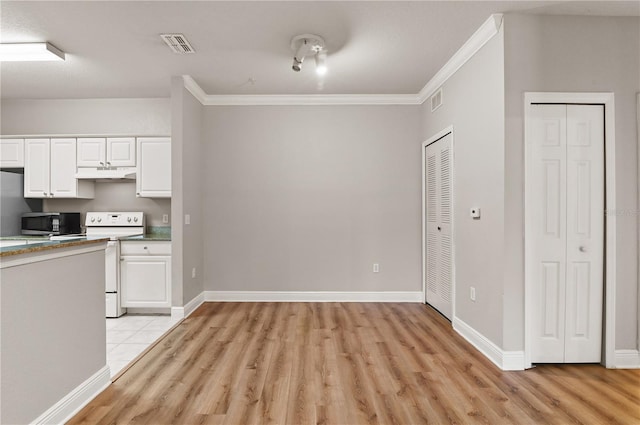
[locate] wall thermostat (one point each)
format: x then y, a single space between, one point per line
475 212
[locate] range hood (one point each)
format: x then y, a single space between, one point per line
106 173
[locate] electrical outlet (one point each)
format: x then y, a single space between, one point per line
165 218
376 267
193 273
472 293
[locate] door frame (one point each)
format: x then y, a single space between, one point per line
439 135
609 316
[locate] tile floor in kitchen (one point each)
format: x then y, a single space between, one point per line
130 335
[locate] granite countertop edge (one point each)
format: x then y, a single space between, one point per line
47 245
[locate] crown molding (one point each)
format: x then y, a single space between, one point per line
193 87
314 99
486 32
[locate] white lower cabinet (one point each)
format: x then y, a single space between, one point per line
145 271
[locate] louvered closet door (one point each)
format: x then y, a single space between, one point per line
566 184
438 220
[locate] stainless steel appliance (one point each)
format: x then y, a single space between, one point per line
113 225
50 223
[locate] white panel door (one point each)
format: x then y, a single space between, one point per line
92 152
36 168
63 168
153 178
11 153
146 281
566 211
438 225
121 151
585 233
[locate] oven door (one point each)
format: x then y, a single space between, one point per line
112 266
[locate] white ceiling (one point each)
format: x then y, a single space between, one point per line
114 49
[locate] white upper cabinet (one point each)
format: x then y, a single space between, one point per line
107 152
153 178
11 153
121 151
49 170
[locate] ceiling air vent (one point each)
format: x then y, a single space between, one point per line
436 100
178 43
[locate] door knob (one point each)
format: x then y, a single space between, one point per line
582 249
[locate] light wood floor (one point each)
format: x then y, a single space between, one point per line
342 363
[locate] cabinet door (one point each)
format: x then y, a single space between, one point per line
63 183
11 153
154 167
146 281
36 168
121 151
92 152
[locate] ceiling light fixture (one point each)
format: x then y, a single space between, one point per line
11 52
309 45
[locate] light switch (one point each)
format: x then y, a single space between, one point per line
475 212
187 219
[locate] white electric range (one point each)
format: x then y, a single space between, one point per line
113 225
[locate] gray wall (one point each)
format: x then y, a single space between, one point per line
473 102
573 54
308 198
135 117
187 195
52 332
13 204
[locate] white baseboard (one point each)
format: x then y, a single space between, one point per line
505 360
184 312
79 397
313 296
627 359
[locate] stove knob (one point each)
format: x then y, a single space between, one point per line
129 219
99 219
135 219
93 219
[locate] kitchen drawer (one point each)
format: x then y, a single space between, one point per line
145 248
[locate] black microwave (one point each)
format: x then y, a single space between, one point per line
48 223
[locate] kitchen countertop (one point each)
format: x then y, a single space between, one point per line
154 233
147 237
44 245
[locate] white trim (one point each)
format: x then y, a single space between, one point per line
627 359
178 313
193 88
439 135
505 360
486 32
312 99
79 397
313 296
46 253
607 99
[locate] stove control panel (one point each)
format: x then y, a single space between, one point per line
112 219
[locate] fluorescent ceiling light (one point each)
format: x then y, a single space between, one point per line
10 52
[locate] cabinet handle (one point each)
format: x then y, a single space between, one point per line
44 193
51 194
146 247
108 164
101 163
